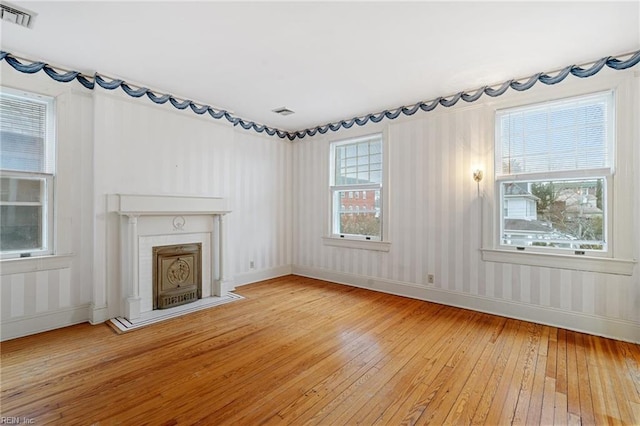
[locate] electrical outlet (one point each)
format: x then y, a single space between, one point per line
252 264
431 279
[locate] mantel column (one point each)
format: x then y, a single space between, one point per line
224 284
131 277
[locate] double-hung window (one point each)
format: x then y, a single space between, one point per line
554 171
27 158
356 188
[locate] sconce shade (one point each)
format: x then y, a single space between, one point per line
477 175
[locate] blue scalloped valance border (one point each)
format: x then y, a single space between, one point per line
90 82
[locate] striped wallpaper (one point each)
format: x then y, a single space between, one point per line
435 225
109 144
37 292
146 149
278 192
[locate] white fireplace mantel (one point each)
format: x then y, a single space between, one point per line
155 205
170 215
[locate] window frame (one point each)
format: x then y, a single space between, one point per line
622 210
354 240
48 177
607 173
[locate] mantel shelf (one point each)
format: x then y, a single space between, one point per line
170 213
156 205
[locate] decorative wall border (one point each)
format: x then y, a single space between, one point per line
89 82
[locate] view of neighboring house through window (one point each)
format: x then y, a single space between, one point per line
357 171
554 169
26 174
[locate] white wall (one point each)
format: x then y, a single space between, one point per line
435 225
143 148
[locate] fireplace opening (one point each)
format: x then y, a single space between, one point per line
177 275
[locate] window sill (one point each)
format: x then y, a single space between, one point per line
574 262
24 265
357 244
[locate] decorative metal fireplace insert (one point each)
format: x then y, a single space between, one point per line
177 275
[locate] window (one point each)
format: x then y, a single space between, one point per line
554 172
26 174
356 166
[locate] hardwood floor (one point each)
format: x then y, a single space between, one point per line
302 351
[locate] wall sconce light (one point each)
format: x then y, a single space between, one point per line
478 175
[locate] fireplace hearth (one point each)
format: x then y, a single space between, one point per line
177 275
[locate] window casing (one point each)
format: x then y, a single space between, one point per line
27 172
554 173
357 167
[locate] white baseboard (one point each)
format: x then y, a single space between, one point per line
227 285
99 314
19 327
585 323
261 275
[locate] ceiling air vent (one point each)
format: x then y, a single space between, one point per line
17 16
283 111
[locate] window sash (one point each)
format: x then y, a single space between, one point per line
357 161
560 175
45 219
339 212
559 138
551 240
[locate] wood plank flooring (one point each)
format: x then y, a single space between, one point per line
302 351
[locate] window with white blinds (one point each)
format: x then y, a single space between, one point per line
27 166
566 135
554 172
25 129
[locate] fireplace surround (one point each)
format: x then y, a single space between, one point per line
148 221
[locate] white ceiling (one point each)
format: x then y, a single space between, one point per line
326 61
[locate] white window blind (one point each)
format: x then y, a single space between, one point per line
23 133
27 160
573 134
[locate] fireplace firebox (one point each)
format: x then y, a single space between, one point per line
177 275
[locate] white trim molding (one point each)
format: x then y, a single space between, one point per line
261 275
140 205
357 244
25 265
604 265
98 314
